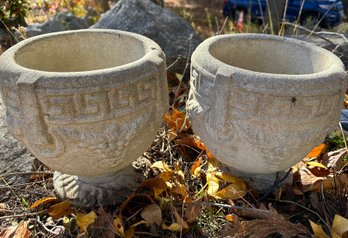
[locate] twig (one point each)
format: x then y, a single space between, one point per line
25 173
9 31
22 215
176 60
318 34
186 66
22 184
315 213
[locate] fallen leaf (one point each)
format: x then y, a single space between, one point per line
22 230
179 219
152 214
179 188
193 211
84 220
118 226
60 209
233 218
272 224
162 166
102 225
8 232
316 164
192 141
212 184
339 226
173 227
318 230
3 206
157 184
231 191
176 120
131 230
43 200
195 168
317 151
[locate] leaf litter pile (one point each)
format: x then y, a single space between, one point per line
186 193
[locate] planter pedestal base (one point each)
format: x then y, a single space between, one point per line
102 190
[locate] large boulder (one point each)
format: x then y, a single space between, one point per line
60 22
175 35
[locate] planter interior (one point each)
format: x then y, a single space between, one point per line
70 53
267 56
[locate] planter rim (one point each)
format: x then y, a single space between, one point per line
206 60
151 48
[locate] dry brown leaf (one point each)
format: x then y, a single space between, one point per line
157 184
261 228
317 151
318 230
179 219
192 141
180 189
8 232
22 230
84 220
43 200
231 191
193 211
118 226
60 209
3 206
152 214
102 226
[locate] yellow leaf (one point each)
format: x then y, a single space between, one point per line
318 150
179 219
195 166
22 230
231 179
231 191
118 226
161 166
166 176
84 220
339 225
181 174
179 188
318 230
213 184
130 232
316 164
60 209
172 227
43 200
152 214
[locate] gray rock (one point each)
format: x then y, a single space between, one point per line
13 157
144 17
61 22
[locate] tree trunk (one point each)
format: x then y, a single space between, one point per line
274 14
345 5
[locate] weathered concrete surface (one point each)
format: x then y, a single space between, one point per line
260 103
86 103
173 33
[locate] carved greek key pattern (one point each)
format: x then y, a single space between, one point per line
98 105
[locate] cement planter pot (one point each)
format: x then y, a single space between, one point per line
261 102
86 103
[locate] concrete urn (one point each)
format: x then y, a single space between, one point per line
260 103
86 103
